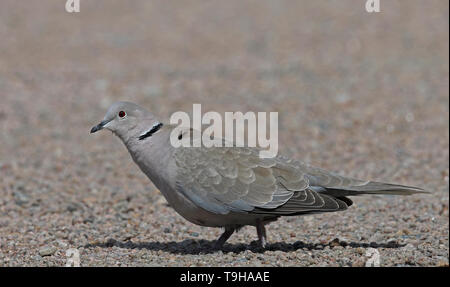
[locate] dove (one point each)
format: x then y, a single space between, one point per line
231 187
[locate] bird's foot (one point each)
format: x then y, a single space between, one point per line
261 231
218 245
262 242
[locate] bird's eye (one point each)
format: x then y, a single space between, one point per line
122 114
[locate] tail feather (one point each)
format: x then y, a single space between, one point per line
373 187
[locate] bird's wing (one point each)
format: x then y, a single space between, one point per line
224 179
323 178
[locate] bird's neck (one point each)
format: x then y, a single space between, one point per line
150 153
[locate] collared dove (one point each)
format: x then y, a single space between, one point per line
231 187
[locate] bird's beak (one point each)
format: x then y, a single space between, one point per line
98 127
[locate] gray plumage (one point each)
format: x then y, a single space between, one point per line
232 186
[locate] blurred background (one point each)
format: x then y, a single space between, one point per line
365 94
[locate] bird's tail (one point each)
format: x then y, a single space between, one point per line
373 187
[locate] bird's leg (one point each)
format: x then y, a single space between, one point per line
261 230
224 237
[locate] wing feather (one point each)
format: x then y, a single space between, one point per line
224 179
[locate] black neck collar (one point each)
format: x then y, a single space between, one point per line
153 130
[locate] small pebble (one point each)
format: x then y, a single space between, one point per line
47 251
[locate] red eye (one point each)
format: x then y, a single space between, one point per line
122 114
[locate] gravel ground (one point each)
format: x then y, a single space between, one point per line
362 94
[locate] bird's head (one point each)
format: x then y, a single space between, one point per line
125 119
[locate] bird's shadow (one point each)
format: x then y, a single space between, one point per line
193 247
